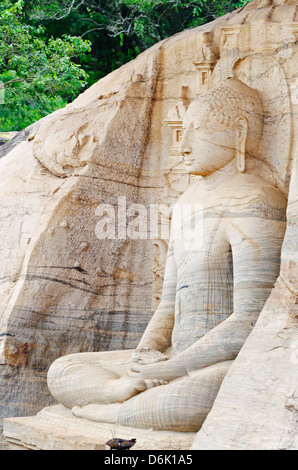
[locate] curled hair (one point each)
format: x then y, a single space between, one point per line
228 102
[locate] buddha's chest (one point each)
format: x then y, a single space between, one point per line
204 289
201 248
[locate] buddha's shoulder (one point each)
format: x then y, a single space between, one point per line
243 190
256 189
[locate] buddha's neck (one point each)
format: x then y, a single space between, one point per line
218 177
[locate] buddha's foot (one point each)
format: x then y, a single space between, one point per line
121 389
124 386
101 413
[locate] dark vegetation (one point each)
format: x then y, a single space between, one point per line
51 50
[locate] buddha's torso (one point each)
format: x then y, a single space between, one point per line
205 285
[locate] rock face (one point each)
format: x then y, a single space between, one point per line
65 289
100 289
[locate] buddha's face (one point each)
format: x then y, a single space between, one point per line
207 144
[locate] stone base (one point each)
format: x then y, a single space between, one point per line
55 428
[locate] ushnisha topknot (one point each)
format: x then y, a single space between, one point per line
229 101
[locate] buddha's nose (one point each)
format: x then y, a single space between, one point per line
184 147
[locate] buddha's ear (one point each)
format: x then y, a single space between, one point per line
241 137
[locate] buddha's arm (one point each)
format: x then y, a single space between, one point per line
223 343
256 248
157 335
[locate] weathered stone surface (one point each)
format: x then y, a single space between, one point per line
55 428
64 291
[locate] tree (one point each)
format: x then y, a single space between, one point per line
37 73
148 21
51 49
120 29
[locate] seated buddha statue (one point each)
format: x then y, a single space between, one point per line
215 285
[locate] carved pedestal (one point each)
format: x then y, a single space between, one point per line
55 428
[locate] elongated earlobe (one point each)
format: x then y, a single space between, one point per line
240 161
242 128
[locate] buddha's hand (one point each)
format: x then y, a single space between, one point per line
171 369
148 356
161 372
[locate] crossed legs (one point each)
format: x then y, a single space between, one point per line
181 405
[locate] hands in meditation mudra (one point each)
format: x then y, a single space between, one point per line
214 287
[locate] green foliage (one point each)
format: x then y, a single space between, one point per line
38 73
120 29
50 49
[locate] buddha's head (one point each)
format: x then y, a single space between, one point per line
224 123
